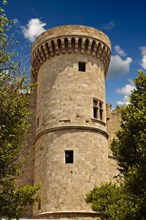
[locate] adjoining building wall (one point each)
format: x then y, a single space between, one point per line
113 121
113 125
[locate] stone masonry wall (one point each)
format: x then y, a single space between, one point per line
65 95
113 125
64 185
65 111
67 120
62 119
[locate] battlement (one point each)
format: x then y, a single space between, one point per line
71 39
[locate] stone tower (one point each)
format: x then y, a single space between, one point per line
70 64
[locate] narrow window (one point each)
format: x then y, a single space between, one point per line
69 156
95 112
95 108
39 204
82 66
38 122
100 110
100 104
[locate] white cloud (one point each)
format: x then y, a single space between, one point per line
33 29
119 51
143 60
108 26
125 101
126 91
118 66
143 50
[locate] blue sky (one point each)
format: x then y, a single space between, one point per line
124 21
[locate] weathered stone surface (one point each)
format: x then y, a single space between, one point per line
64 120
113 125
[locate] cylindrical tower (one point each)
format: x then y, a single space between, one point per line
70 64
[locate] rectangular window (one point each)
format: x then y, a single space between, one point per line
39 204
68 156
100 113
82 66
38 122
97 109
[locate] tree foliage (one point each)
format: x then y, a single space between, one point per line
130 145
14 111
14 123
127 200
113 202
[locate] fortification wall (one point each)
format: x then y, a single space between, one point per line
69 114
70 64
64 185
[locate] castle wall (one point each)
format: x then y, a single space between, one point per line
64 185
70 118
65 95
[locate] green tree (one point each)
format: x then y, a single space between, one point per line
127 200
14 125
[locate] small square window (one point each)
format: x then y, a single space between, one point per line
69 156
82 66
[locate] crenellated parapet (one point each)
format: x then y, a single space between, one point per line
71 40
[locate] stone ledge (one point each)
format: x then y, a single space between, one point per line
98 121
67 214
80 127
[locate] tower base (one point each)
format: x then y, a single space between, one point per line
64 215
